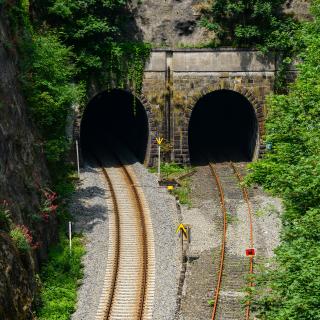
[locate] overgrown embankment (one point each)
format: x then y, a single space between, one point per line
52 56
291 170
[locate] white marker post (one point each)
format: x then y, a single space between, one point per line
78 160
159 162
70 237
159 141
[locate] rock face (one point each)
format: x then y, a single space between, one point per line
300 8
175 23
16 285
22 171
169 23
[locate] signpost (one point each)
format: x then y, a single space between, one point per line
159 141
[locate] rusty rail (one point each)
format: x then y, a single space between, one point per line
224 238
250 214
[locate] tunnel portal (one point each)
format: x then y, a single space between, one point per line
114 119
223 127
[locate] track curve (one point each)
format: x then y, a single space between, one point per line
129 281
242 268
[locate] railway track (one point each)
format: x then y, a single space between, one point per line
128 288
231 270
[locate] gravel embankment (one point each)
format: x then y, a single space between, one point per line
91 214
89 208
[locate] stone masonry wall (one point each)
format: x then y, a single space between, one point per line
175 80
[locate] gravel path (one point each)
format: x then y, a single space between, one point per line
90 210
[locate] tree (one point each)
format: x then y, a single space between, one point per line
291 170
248 23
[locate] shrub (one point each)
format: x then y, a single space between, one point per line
60 280
22 238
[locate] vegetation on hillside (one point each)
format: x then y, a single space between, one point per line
251 23
291 170
60 278
259 24
66 48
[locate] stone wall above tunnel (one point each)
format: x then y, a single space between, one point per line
175 80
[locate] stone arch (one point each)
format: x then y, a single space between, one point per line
248 94
139 97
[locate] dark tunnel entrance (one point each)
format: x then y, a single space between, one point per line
114 119
223 127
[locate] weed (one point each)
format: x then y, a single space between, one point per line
60 278
210 302
183 192
232 218
5 218
22 238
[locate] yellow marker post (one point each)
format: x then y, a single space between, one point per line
159 141
170 188
181 228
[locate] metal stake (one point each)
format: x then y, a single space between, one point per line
70 237
78 161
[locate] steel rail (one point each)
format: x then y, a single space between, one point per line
117 242
144 236
250 214
224 238
117 254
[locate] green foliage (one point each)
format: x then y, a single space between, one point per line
20 239
93 30
183 192
291 169
171 170
60 278
248 23
47 75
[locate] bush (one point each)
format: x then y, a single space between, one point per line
60 278
291 170
22 238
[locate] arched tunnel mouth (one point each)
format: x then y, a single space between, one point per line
223 127
113 121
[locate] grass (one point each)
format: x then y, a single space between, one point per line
232 218
183 192
268 209
61 275
171 170
60 279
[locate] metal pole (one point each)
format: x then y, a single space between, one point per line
70 237
159 161
78 161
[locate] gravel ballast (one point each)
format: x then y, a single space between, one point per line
165 221
89 208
